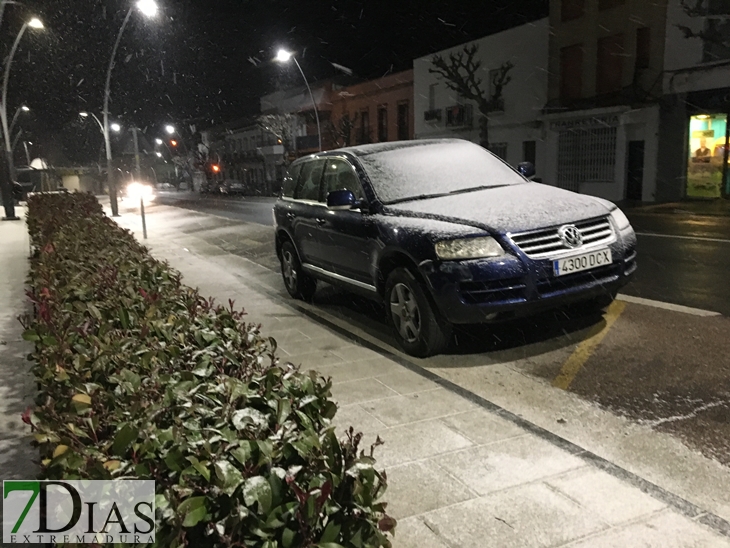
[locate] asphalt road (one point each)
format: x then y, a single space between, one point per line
683 259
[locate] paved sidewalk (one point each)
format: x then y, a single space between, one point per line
460 474
18 460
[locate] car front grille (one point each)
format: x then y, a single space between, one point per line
546 243
496 291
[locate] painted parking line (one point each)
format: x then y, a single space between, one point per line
668 306
677 237
585 350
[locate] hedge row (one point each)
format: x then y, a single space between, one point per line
141 377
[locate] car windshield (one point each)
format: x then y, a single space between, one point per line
435 169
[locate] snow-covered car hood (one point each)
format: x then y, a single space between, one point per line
513 208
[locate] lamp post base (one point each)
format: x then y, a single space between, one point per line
10 219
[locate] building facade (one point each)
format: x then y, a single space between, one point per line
603 112
515 130
694 133
376 111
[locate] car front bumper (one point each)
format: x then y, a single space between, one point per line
493 290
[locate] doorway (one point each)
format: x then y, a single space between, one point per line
635 178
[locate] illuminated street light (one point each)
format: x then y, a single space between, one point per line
116 128
159 154
284 56
148 8
170 129
24 109
159 141
7 176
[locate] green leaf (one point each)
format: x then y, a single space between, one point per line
287 538
124 318
229 476
257 490
330 532
244 453
329 545
201 467
124 439
31 335
94 311
249 416
194 511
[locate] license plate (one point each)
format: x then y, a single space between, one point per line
580 263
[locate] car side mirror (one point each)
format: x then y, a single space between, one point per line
527 169
339 200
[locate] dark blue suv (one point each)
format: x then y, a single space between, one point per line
444 232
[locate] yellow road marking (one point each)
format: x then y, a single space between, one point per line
577 359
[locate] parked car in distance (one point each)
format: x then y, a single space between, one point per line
444 232
210 186
232 186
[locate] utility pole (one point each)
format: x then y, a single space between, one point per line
138 177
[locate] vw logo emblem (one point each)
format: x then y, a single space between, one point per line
571 236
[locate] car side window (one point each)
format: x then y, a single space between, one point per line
308 187
340 175
290 181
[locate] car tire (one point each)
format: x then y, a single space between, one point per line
417 326
298 284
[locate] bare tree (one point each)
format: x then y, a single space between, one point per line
460 71
341 131
282 126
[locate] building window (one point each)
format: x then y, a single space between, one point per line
365 126
643 48
529 152
499 149
609 66
608 4
571 9
718 7
586 155
383 124
432 97
571 72
403 121
716 38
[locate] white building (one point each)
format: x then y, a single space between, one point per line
515 132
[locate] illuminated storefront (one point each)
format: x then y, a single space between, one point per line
707 171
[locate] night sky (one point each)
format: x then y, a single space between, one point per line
206 61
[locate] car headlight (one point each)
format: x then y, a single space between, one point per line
621 220
469 248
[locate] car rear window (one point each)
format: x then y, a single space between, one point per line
434 169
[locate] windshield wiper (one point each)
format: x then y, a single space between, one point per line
441 195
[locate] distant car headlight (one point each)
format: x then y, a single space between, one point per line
469 248
621 220
138 190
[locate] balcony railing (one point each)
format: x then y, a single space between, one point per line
307 142
432 115
459 116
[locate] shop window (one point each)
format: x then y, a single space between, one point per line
707 142
571 72
643 48
609 66
571 9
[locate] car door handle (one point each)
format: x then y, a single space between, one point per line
290 216
321 221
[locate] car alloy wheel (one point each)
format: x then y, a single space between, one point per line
405 313
419 328
298 284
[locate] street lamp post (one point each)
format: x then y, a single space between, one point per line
149 9
284 56
8 174
15 117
